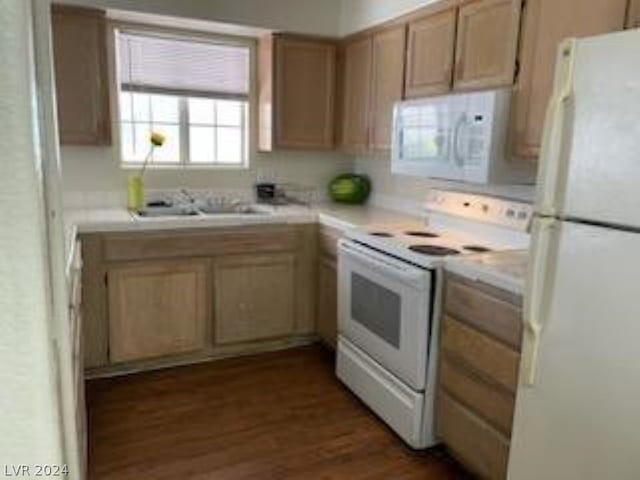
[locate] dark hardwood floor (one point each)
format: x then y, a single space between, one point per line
274 416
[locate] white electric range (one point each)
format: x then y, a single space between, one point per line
389 298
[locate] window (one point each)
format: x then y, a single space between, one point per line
195 92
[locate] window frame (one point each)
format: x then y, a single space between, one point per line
249 117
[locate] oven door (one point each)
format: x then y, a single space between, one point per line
384 307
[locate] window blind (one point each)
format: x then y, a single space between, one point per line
183 67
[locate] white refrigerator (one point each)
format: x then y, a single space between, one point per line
578 406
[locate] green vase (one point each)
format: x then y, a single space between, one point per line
135 193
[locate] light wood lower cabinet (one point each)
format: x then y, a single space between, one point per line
327 285
496 361
157 309
327 300
494 405
165 297
475 443
478 373
254 297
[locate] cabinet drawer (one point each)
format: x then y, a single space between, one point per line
481 448
491 403
191 244
495 316
482 354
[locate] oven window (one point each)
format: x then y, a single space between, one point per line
376 308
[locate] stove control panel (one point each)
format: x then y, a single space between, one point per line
497 211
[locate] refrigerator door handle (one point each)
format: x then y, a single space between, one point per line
535 295
554 136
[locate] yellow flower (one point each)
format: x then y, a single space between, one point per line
157 139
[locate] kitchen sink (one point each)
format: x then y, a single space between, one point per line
231 210
167 211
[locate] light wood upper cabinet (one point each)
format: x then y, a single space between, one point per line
357 60
633 17
157 309
545 24
430 54
388 50
254 297
487 42
297 93
80 57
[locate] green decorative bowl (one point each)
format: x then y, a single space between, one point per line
350 188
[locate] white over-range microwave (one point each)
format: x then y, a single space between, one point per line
461 137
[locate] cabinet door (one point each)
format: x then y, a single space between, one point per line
633 17
157 309
356 94
80 57
388 49
486 43
545 24
254 297
327 300
305 75
431 45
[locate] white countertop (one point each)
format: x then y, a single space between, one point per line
506 270
342 217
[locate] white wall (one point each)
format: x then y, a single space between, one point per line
29 428
319 17
96 169
409 192
356 15
322 17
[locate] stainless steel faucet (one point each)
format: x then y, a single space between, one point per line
188 195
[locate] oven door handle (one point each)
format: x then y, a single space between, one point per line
383 263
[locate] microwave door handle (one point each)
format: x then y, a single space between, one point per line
457 131
398 150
